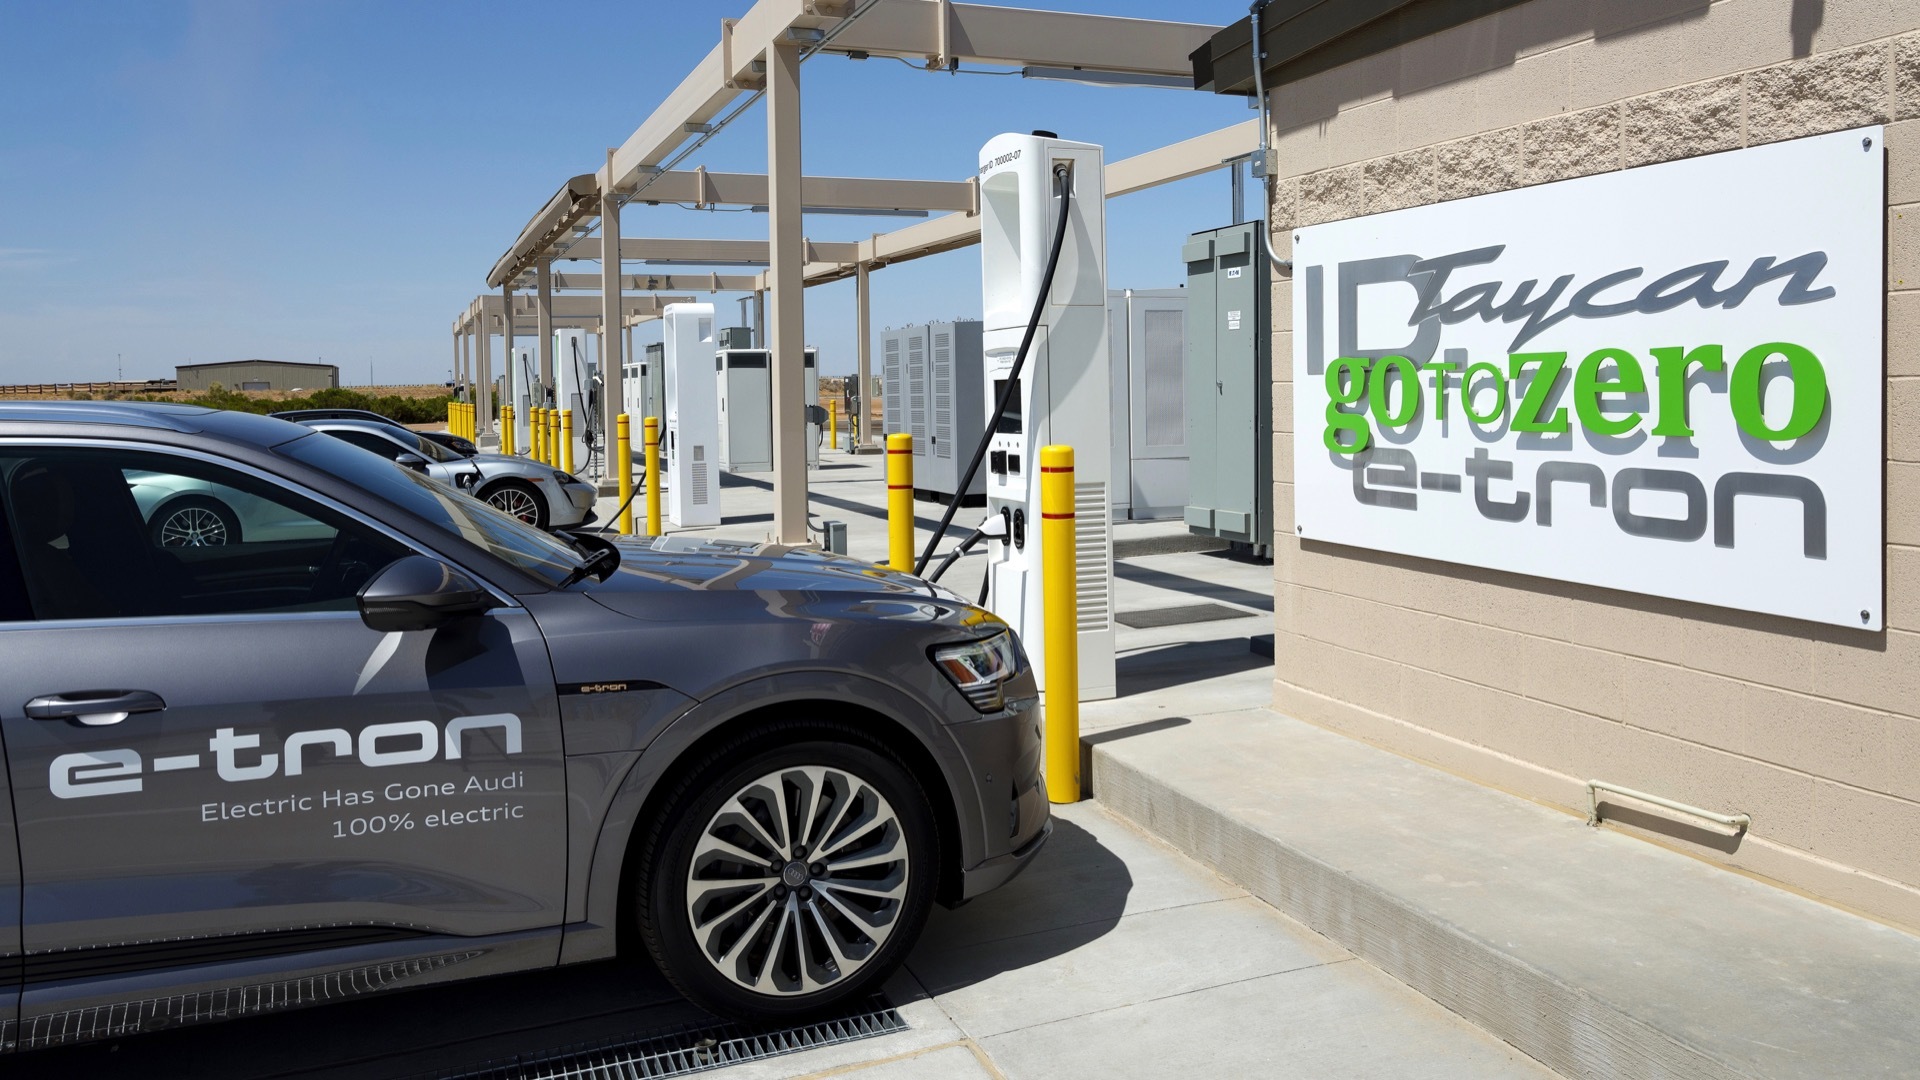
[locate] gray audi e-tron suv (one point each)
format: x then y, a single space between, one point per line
403 738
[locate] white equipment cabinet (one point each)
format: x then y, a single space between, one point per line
1148 331
744 381
934 392
690 445
523 392
1063 396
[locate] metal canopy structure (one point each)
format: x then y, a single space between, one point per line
758 57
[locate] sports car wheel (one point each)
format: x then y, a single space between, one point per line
787 878
517 498
194 521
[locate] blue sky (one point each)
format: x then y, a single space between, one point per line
213 180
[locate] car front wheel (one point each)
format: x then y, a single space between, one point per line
519 499
194 521
789 875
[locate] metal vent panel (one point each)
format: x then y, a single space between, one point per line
943 395
1093 575
1164 355
697 490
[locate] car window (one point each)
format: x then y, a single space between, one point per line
544 556
367 440
111 533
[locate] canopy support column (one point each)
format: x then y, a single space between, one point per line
787 265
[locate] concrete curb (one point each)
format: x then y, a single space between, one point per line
1563 1027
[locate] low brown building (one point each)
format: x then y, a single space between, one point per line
257 375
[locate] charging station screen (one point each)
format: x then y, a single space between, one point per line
1010 421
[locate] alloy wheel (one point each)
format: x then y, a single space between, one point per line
193 526
516 503
797 880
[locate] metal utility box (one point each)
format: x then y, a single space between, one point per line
935 391
644 386
744 380
1148 332
1229 387
736 337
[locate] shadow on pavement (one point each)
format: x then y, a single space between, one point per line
1074 893
1188 662
1181 583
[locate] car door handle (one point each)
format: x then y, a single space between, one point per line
94 708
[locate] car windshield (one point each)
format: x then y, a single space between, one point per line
544 556
428 449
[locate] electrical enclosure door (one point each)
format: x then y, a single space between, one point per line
745 387
1229 385
1156 420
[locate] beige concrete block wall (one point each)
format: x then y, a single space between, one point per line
1813 730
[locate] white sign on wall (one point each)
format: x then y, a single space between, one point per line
1667 380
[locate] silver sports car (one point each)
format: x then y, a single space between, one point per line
537 494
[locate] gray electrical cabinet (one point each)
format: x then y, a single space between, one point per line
934 389
1229 388
746 409
736 337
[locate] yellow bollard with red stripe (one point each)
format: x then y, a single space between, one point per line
900 502
622 461
651 433
1061 692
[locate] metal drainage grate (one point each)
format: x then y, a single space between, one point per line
1177 616
696 1049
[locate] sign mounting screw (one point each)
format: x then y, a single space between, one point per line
1866 143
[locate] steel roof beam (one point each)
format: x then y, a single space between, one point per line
709 252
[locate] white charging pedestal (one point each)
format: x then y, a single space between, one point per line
523 392
690 445
1064 395
573 389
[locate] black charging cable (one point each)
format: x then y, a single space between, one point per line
1063 178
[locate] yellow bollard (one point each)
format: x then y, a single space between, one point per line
900 502
506 429
1061 694
548 456
538 434
566 440
833 425
655 481
622 461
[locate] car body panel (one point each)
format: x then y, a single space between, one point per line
612 683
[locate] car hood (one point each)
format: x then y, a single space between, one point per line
710 564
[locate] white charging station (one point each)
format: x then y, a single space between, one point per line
690 445
573 372
1063 396
523 392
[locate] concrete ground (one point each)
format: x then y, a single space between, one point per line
1115 956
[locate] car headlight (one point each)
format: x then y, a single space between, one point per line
980 669
561 478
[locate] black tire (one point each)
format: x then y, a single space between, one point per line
664 864
194 521
519 499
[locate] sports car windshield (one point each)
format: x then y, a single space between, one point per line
544 556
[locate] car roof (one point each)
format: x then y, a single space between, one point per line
153 416
334 423
332 414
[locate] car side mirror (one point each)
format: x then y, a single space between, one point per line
418 593
411 461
